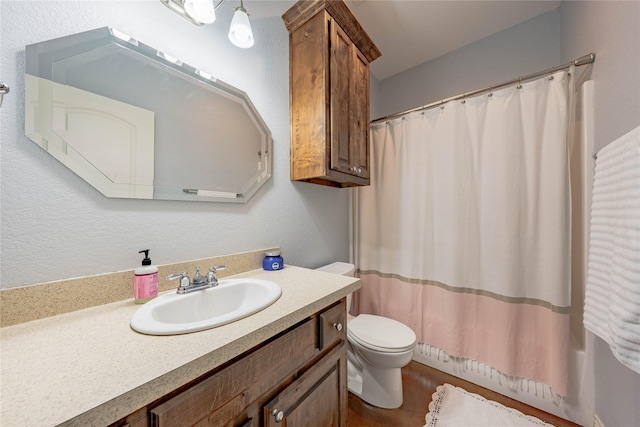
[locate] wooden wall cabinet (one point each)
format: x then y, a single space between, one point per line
297 378
329 57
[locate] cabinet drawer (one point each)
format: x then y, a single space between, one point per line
332 325
225 395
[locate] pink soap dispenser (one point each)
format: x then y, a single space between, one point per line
145 286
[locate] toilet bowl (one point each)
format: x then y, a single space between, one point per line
378 347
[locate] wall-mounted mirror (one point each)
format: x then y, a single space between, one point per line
136 123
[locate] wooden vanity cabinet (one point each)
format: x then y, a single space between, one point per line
316 399
329 57
299 374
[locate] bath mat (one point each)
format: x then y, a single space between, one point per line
455 407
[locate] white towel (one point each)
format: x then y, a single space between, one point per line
612 301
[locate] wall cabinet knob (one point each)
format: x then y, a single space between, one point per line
278 415
338 326
355 170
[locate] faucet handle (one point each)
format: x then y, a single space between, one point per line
184 279
217 268
175 276
212 275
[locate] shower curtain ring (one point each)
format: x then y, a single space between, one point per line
519 83
490 92
464 101
442 104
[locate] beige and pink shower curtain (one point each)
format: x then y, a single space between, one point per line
463 234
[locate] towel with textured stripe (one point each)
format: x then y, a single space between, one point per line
612 301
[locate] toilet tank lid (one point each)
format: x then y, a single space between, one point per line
342 268
379 332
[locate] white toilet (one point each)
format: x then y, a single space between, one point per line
378 347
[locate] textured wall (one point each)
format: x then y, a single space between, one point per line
55 226
612 30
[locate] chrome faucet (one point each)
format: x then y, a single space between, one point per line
199 281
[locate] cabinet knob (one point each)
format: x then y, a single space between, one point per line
356 170
338 326
278 415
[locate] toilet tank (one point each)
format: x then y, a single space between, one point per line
342 268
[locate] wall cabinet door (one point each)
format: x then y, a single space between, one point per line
329 56
349 105
317 399
359 109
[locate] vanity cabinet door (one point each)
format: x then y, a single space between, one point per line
318 398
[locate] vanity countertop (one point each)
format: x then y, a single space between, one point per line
90 368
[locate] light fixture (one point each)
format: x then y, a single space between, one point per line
200 12
240 32
169 58
124 37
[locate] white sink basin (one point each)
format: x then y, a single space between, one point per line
231 300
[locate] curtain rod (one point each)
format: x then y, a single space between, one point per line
583 60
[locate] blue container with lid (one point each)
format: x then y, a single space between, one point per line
272 261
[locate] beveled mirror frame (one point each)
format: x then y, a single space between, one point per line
194 137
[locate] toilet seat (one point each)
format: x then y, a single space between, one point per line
381 333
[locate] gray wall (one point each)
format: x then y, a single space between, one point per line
531 46
611 29
55 226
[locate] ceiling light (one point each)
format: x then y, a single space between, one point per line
240 32
200 12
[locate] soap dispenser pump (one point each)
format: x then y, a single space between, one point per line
146 280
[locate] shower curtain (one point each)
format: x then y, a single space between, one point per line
464 232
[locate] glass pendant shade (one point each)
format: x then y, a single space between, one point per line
240 33
202 11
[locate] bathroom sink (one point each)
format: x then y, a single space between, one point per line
231 300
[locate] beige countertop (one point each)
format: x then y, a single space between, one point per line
89 367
